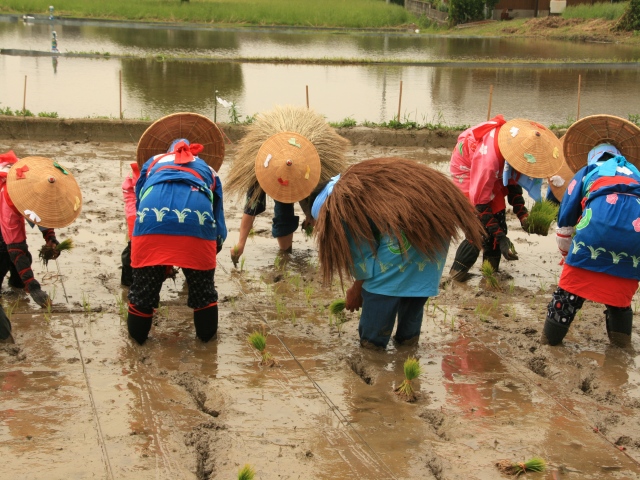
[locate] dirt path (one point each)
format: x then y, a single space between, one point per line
80 399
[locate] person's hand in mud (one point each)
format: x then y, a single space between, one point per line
507 249
236 252
40 297
354 296
524 222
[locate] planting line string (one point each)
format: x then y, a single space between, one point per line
525 376
334 408
103 444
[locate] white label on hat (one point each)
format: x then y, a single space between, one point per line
514 131
266 162
33 216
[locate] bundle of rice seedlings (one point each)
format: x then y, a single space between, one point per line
535 464
489 275
235 258
331 147
412 371
49 252
541 216
246 473
259 342
337 306
308 231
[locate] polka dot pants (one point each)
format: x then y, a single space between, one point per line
563 307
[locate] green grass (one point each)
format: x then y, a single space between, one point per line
606 11
541 216
307 13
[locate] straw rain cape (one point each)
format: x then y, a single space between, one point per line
398 196
329 145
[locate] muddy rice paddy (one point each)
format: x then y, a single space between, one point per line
79 399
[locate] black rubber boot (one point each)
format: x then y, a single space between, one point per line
126 277
139 323
494 260
553 333
619 325
5 327
206 322
466 256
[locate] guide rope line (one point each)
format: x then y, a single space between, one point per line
333 407
524 374
103 444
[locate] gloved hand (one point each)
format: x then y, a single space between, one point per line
524 222
236 253
506 248
40 297
218 245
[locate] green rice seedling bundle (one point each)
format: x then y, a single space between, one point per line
234 256
541 216
308 231
535 464
50 252
246 473
412 370
337 307
489 275
259 342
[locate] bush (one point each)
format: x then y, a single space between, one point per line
48 114
463 11
24 113
630 20
606 11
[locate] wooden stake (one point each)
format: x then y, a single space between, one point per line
24 98
307 87
399 101
490 99
121 115
579 82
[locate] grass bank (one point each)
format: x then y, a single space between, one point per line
306 13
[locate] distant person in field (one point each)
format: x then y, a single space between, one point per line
598 229
387 223
54 42
494 160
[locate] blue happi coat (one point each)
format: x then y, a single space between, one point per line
603 202
177 199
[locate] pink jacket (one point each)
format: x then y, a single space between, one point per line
477 164
129 196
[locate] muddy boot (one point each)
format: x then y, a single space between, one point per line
553 333
5 328
466 256
619 325
206 322
139 323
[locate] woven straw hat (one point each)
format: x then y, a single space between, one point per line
288 167
44 192
530 148
589 132
194 127
559 182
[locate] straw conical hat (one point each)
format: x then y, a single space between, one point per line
559 182
530 148
288 167
194 127
589 132
44 192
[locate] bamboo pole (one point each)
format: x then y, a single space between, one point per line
24 97
215 107
307 88
120 88
579 82
490 99
400 101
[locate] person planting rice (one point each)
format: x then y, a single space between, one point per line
180 219
387 223
598 230
319 139
129 196
44 193
490 161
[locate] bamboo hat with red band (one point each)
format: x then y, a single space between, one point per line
44 192
288 167
194 127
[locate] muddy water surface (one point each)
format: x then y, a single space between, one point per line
80 399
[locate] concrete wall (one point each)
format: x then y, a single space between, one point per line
421 8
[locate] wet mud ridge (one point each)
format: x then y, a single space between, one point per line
178 408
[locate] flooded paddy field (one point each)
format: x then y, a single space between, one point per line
79 399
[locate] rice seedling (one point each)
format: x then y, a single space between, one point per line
86 305
293 317
543 285
308 293
541 215
123 308
308 231
259 342
412 370
10 308
241 264
512 287
535 464
337 306
295 281
281 308
50 252
489 275
246 473
235 256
